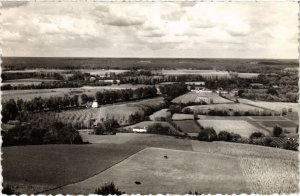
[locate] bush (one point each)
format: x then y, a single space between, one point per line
226 136
8 190
256 135
157 128
277 131
208 134
107 189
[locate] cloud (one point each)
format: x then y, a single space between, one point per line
163 29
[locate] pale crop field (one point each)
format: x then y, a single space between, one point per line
228 107
191 97
180 172
269 176
163 113
276 106
241 127
183 117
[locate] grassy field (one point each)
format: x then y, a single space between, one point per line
276 106
188 126
192 97
163 113
183 117
181 172
205 167
229 107
241 127
60 92
49 166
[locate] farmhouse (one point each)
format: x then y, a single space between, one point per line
139 129
94 104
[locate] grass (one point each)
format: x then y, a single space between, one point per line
241 127
231 107
266 176
183 117
49 166
276 106
279 123
188 126
192 96
163 113
168 171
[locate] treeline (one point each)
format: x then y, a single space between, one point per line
173 90
49 133
108 97
53 85
11 109
23 75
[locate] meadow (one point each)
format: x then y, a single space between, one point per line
60 92
166 165
241 127
161 114
192 97
276 106
230 108
188 126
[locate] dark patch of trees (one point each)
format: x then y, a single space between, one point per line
11 109
108 97
32 134
158 128
173 90
109 126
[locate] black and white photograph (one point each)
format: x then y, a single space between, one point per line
149 97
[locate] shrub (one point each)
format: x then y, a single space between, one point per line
208 134
277 131
157 128
226 136
8 190
256 135
107 189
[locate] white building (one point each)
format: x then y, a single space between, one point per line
94 104
139 129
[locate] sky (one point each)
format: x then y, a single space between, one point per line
150 29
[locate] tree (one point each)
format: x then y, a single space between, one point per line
108 189
256 135
207 134
277 131
9 111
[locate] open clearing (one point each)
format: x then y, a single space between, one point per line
188 126
241 127
183 117
181 172
163 113
231 107
276 106
196 97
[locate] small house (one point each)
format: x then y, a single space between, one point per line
94 104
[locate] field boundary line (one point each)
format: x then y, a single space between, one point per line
81 180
